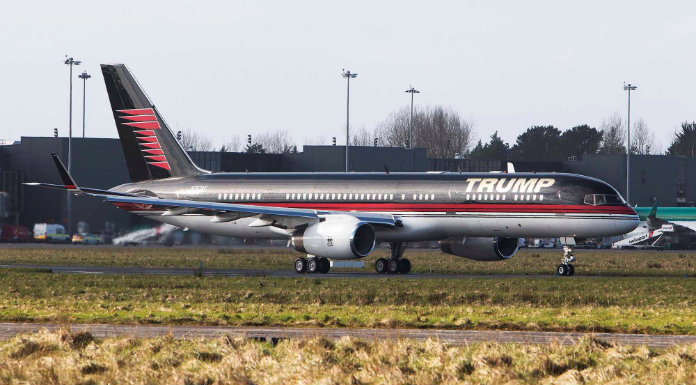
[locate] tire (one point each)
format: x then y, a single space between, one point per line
393 266
381 266
312 265
404 266
571 270
300 265
562 270
324 265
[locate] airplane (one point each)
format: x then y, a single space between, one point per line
340 216
662 226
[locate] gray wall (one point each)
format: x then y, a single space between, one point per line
662 177
97 163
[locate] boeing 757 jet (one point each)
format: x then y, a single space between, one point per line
338 216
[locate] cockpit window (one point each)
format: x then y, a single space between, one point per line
603 199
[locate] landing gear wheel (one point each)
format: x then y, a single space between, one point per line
312 265
324 265
404 266
571 270
300 265
381 265
562 270
393 266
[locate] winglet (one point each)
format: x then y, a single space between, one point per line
68 181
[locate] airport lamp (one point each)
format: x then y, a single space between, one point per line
84 76
70 62
628 87
410 125
348 75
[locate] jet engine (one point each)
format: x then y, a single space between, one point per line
336 237
481 249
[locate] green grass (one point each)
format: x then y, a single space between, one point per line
653 305
527 261
76 358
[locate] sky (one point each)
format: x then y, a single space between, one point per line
232 68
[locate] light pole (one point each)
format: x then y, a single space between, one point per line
410 125
84 76
348 75
70 62
628 87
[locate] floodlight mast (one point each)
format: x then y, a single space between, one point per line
84 76
70 61
410 125
348 75
628 87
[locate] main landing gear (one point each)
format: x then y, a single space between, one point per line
395 264
312 264
566 267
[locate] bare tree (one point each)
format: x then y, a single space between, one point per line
317 141
276 142
232 145
364 137
642 139
613 135
193 141
441 131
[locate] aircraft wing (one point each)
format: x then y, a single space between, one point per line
222 211
219 212
687 225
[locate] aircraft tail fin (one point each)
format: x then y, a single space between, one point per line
150 148
653 212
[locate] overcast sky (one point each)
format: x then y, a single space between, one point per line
227 68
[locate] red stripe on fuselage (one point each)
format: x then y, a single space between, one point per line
438 207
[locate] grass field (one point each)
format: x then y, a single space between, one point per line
527 261
645 305
77 358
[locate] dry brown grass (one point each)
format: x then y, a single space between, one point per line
54 358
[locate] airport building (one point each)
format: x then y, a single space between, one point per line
99 163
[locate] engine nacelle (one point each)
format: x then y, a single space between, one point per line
481 249
336 237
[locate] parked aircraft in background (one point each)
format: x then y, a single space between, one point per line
335 216
673 227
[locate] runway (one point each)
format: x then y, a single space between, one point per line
273 334
133 270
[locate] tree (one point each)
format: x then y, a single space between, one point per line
642 139
233 145
363 137
192 141
684 142
538 143
494 149
441 131
275 142
254 149
613 135
580 140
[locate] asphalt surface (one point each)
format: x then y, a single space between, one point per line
130 270
273 334
337 273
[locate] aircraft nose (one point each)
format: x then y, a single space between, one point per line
629 224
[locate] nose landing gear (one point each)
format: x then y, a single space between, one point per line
566 267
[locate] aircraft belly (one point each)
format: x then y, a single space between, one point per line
424 228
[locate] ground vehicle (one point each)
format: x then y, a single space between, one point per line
9 233
51 233
86 239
